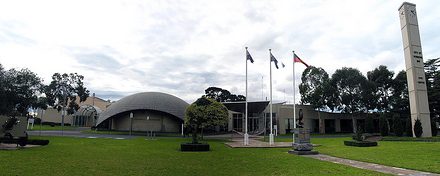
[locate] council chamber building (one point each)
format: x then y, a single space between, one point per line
164 113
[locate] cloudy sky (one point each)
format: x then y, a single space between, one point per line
183 47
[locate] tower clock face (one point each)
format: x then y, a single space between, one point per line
412 14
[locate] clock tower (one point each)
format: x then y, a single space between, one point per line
415 73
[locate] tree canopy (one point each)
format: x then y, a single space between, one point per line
64 89
19 91
222 95
205 112
314 87
382 78
348 83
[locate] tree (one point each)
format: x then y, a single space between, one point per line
408 127
418 129
369 124
314 90
383 123
399 100
64 89
19 91
382 78
204 112
432 76
222 95
348 83
397 125
434 129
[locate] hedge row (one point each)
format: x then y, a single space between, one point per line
360 143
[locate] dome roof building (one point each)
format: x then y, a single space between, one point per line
152 111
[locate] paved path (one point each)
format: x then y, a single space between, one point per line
79 134
256 143
370 166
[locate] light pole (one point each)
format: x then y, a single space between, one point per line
41 119
131 122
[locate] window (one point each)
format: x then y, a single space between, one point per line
237 121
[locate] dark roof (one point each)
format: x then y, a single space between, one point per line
146 101
253 107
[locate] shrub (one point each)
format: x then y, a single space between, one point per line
383 123
37 142
418 129
360 143
397 125
369 125
408 127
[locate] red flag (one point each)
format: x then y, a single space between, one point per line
297 59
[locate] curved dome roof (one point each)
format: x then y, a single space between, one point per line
149 101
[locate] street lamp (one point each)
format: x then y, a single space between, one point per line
131 122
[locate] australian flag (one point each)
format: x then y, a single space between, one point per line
272 58
249 57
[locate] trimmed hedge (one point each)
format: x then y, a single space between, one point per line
37 142
360 143
190 147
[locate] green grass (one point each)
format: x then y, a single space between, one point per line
429 139
80 156
424 156
52 128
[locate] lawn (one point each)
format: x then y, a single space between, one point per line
424 156
81 156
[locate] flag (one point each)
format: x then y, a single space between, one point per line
249 57
272 58
297 59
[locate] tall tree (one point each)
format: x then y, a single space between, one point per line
64 89
19 91
382 78
432 75
204 112
348 83
314 90
222 95
399 100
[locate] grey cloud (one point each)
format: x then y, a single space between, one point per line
98 60
109 95
8 34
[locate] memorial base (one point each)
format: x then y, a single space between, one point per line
297 152
303 147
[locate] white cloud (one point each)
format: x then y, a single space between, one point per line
183 47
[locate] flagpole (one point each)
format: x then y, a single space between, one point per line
246 136
270 66
294 109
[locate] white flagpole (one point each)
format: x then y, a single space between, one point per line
246 136
270 66
294 109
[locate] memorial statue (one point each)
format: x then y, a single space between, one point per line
300 123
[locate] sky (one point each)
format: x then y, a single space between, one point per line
184 47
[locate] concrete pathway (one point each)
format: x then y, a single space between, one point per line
79 134
256 143
370 166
